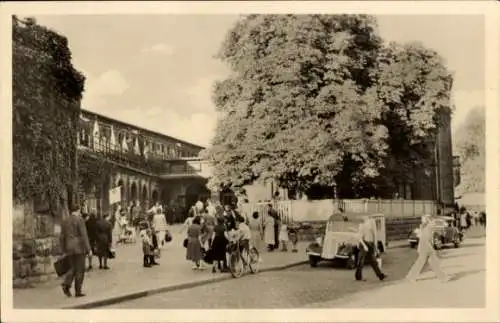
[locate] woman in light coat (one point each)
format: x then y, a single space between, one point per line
269 238
160 226
257 230
426 253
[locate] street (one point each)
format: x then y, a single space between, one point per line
294 287
303 286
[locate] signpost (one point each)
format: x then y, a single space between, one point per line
115 195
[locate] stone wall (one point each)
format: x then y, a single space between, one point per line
35 245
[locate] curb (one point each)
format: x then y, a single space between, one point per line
166 289
141 294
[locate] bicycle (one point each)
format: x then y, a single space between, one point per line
237 257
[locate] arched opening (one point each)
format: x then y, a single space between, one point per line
196 191
145 197
122 192
133 192
154 197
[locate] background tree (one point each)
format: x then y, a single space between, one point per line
47 91
310 103
470 146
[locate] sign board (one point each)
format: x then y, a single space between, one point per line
115 195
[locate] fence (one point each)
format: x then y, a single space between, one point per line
402 216
320 210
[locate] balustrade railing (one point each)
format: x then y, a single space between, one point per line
151 163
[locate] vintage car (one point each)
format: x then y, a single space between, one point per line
340 240
444 233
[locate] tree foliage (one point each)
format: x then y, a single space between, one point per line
47 91
470 145
319 99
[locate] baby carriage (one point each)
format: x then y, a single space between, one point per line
128 235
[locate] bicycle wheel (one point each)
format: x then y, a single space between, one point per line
235 264
254 260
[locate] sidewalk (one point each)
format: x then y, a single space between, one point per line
466 289
127 279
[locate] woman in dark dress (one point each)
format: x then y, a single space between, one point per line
104 233
193 247
90 223
219 244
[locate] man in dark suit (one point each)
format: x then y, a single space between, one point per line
75 246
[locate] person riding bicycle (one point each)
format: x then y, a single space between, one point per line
245 235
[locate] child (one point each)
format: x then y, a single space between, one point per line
283 237
293 235
147 247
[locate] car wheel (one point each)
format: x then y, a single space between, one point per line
351 262
413 245
313 261
456 243
438 243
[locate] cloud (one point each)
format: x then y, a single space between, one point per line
464 102
97 89
199 94
159 48
197 128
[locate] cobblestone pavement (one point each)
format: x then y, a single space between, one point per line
295 287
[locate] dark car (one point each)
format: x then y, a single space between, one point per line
444 233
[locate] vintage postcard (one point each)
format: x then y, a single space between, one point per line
250 161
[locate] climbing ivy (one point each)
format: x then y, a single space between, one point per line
47 92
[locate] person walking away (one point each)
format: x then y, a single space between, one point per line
283 237
426 253
104 236
277 223
193 249
257 229
207 229
468 219
368 249
75 245
269 232
218 246
160 226
90 225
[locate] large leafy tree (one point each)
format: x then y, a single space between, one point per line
311 101
470 145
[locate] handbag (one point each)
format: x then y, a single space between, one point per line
111 253
185 243
168 236
61 266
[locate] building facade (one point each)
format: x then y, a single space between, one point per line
149 167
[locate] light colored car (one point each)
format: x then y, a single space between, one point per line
340 240
444 233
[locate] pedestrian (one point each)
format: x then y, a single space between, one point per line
104 239
146 235
160 226
229 217
463 219
283 237
207 229
257 229
269 232
368 249
90 224
277 224
218 247
193 248
426 253
75 246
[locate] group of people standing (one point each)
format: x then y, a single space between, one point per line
208 225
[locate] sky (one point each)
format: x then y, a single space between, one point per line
157 71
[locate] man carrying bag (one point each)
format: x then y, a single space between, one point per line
75 246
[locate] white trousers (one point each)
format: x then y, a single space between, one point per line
423 258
